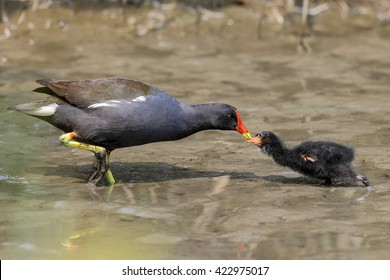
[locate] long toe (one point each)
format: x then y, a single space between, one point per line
98 177
97 161
94 175
97 167
98 174
364 180
367 183
100 166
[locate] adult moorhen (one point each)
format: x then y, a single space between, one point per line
322 160
102 115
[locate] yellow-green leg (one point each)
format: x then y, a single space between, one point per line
101 154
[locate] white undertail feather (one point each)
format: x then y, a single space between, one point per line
41 111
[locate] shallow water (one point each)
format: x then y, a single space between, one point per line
212 195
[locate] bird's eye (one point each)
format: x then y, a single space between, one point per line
229 117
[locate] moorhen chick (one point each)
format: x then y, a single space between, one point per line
102 115
322 160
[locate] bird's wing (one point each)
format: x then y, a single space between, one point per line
308 157
328 152
83 93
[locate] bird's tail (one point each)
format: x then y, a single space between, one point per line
37 108
44 81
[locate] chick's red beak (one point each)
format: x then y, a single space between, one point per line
241 127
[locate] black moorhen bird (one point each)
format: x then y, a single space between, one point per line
102 115
322 160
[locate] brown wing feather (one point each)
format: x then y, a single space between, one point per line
86 92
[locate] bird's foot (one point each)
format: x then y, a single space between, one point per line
97 162
102 166
99 166
365 181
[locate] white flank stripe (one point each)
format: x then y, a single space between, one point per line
139 99
114 103
104 104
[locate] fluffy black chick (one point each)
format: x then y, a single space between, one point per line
322 160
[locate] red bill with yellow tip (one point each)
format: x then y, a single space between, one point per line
241 127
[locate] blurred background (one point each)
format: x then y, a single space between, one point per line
268 18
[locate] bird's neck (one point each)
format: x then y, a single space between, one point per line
282 154
198 116
191 119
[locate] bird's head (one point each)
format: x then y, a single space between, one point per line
228 118
265 140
